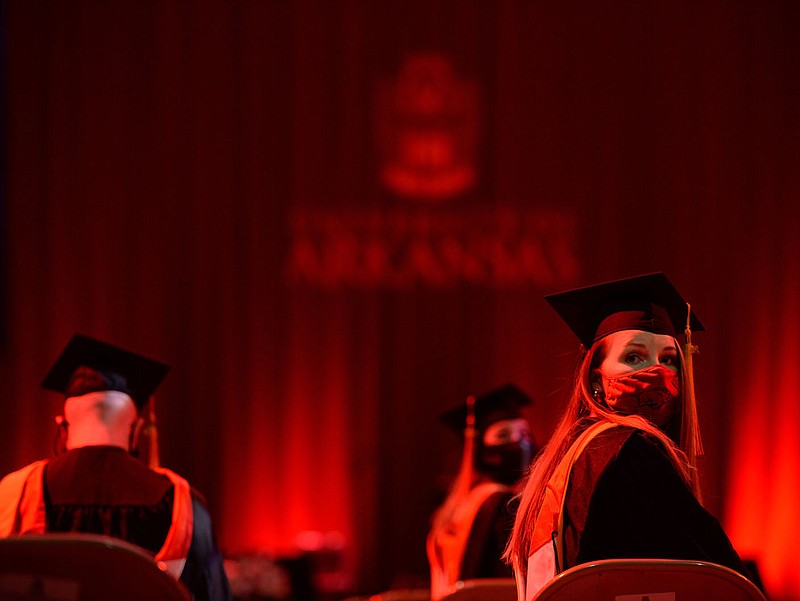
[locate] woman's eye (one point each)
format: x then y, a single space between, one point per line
670 360
633 358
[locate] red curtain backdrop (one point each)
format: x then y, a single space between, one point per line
165 160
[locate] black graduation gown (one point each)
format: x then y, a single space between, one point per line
103 490
626 500
488 538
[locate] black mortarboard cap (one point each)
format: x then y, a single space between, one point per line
88 365
646 302
501 403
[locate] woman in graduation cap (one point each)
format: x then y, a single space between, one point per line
471 528
618 479
94 485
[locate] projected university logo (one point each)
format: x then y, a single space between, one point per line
426 130
438 234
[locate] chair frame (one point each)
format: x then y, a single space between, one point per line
85 567
634 579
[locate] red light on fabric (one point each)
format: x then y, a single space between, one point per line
291 488
764 483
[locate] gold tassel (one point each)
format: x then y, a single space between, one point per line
690 430
153 459
465 474
462 485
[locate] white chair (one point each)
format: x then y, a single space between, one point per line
649 580
484 589
81 567
400 594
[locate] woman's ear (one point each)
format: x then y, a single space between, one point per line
596 383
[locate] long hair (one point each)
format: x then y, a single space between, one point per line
680 442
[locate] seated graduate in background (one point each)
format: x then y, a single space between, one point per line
471 528
618 478
94 484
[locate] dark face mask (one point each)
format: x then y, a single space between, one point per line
506 463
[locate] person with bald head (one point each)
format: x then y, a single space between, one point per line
104 418
96 485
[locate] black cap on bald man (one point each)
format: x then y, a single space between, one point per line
89 365
646 302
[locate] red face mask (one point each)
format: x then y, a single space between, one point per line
651 393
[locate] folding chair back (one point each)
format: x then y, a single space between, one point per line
81 567
484 589
649 580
